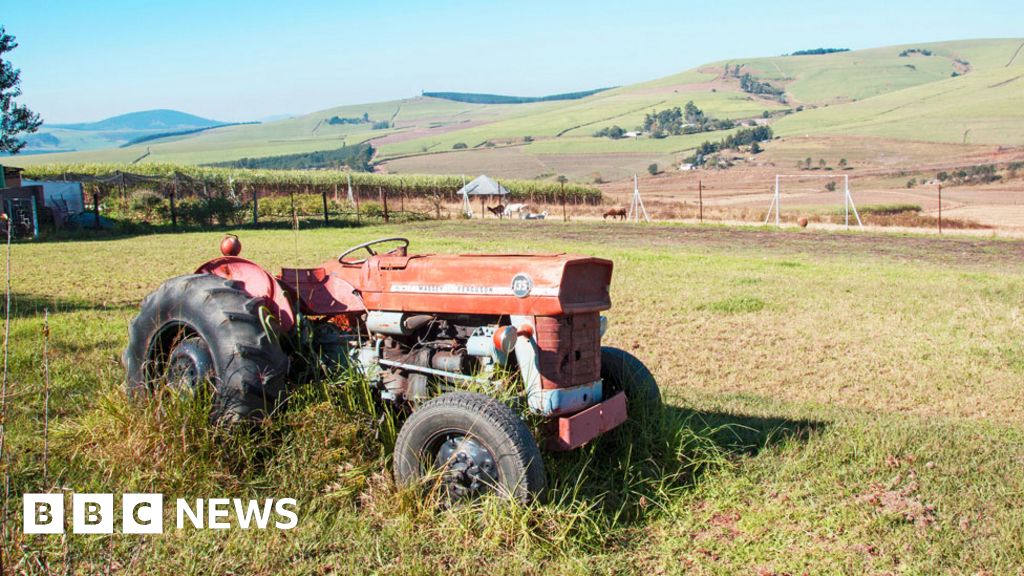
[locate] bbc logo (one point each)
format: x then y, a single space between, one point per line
144 513
93 513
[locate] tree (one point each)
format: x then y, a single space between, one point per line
842 162
653 169
14 118
831 186
822 162
755 148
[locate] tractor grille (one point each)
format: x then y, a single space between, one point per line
570 349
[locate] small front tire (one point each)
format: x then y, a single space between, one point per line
469 444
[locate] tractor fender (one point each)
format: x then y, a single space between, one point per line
256 282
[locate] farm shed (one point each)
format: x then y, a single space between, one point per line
480 186
64 199
23 205
10 177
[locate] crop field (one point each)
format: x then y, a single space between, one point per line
839 404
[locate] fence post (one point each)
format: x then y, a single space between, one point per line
96 207
384 201
174 215
940 208
295 218
565 216
700 199
323 195
255 206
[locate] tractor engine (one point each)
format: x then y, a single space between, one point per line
405 353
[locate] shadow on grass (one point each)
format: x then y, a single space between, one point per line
32 305
132 230
645 467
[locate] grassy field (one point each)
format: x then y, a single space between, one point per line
839 403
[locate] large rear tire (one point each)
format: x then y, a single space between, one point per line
203 328
469 444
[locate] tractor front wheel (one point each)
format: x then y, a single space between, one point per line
621 371
464 445
203 330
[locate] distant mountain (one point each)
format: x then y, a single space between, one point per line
115 131
145 120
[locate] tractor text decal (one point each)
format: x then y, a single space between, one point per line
471 289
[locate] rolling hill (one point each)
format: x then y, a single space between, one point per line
969 90
114 131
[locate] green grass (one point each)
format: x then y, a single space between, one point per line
835 406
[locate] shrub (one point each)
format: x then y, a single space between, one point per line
653 169
459 146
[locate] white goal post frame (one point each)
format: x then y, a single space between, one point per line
848 204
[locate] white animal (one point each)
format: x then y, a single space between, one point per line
540 216
515 209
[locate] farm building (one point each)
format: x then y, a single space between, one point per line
29 203
20 203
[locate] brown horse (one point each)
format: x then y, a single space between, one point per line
498 210
616 213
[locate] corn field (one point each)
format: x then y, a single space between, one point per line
206 181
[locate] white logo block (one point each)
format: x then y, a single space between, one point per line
142 514
92 513
43 513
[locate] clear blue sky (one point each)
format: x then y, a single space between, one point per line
243 60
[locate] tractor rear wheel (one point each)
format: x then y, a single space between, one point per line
621 371
200 329
464 445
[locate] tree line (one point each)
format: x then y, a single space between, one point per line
472 98
743 137
355 157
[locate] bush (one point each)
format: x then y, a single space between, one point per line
653 169
459 146
146 202
218 210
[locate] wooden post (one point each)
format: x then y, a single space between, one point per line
96 206
327 219
402 205
295 218
700 199
255 206
356 196
124 195
482 208
565 216
940 208
384 202
174 215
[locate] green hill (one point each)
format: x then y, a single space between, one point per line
114 131
936 92
145 120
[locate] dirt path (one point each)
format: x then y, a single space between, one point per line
960 251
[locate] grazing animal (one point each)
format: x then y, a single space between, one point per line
616 213
540 216
498 210
515 209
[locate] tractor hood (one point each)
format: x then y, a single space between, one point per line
542 285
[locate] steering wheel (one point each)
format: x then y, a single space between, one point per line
368 247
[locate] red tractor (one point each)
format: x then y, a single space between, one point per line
422 329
